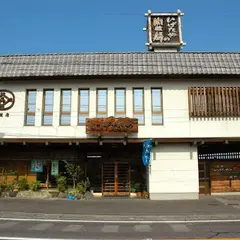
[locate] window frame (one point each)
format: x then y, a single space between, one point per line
44 113
27 106
143 107
79 104
62 113
161 104
115 102
97 112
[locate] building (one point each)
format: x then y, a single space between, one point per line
98 108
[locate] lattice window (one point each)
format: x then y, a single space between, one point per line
214 101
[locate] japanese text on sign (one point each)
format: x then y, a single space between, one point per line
165 29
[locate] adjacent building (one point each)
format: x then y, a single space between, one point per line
97 109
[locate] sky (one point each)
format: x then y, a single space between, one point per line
64 26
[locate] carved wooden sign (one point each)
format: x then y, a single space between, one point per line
164 29
111 125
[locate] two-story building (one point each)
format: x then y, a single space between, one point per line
98 108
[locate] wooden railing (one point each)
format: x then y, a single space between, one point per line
214 101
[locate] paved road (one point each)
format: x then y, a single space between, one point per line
205 206
78 230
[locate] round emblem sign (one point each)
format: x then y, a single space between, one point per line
7 100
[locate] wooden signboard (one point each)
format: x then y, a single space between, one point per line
164 29
225 176
111 125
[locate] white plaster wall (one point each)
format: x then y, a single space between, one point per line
175 109
173 173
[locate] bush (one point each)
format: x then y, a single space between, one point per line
3 187
35 186
9 187
23 184
82 187
61 183
75 172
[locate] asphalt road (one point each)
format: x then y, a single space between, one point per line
79 230
205 206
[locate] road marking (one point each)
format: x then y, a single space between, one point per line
72 228
119 221
26 238
110 228
179 228
7 225
142 228
41 226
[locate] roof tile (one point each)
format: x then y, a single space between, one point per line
140 63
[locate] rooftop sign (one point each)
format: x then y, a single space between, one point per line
164 31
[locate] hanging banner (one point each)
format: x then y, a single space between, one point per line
55 167
146 154
37 166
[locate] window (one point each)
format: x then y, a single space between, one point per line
157 112
83 111
31 96
138 105
65 108
214 101
120 102
101 102
48 95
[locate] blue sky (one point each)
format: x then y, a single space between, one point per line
40 26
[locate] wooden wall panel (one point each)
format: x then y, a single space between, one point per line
225 176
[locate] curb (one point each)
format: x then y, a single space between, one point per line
77 217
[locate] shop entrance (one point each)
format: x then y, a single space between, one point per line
115 179
204 178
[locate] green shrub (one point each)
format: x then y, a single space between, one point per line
9 187
82 187
138 187
23 184
35 186
3 187
74 172
61 183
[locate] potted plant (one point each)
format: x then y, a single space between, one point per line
138 189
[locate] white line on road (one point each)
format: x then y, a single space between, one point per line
119 221
72 228
41 226
179 228
26 238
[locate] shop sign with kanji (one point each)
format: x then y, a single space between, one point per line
164 29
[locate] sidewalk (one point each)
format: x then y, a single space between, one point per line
204 208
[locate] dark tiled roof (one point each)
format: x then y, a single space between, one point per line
100 64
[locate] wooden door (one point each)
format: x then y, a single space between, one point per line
204 177
115 179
